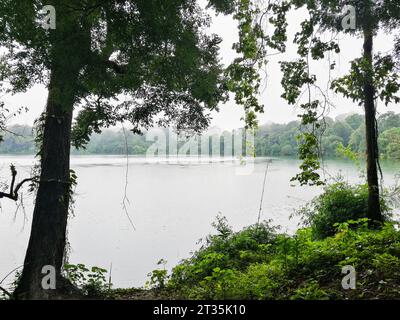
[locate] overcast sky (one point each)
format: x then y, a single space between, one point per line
276 110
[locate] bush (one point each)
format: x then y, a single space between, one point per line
387 264
92 282
339 203
225 250
310 291
257 263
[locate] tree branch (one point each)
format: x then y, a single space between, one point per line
6 292
13 194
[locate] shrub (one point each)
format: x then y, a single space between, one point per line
339 203
225 250
260 281
256 263
387 264
92 282
310 291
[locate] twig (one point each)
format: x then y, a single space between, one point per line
109 278
10 273
125 200
262 194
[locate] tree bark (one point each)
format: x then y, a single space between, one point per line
374 207
48 234
68 45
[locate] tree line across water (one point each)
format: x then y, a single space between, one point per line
270 140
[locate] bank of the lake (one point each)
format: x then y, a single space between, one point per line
358 264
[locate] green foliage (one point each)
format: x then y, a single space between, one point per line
243 74
158 277
92 282
389 143
346 152
355 121
216 285
385 79
291 267
309 154
156 54
259 263
379 71
387 264
339 203
225 250
388 121
310 291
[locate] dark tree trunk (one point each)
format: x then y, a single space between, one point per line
48 235
374 208
49 224
47 243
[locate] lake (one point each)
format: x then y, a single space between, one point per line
172 204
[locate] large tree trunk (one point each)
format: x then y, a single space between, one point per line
374 208
47 241
48 235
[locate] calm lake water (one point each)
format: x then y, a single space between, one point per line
171 203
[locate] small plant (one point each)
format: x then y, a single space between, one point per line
92 281
310 291
158 277
344 227
216 286
387 264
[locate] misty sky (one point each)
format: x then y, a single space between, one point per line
276 109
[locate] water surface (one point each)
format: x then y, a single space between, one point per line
171 203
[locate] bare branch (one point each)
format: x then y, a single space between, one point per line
13 194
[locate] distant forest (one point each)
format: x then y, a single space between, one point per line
271 139
348 130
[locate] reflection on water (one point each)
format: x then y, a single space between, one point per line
172 204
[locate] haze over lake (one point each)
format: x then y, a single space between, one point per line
171 203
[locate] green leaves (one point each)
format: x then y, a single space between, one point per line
246 266
154 54
158 277
339 203
91 281
385 79
309 153
279 12
295 76
224 6
298 80
244 73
